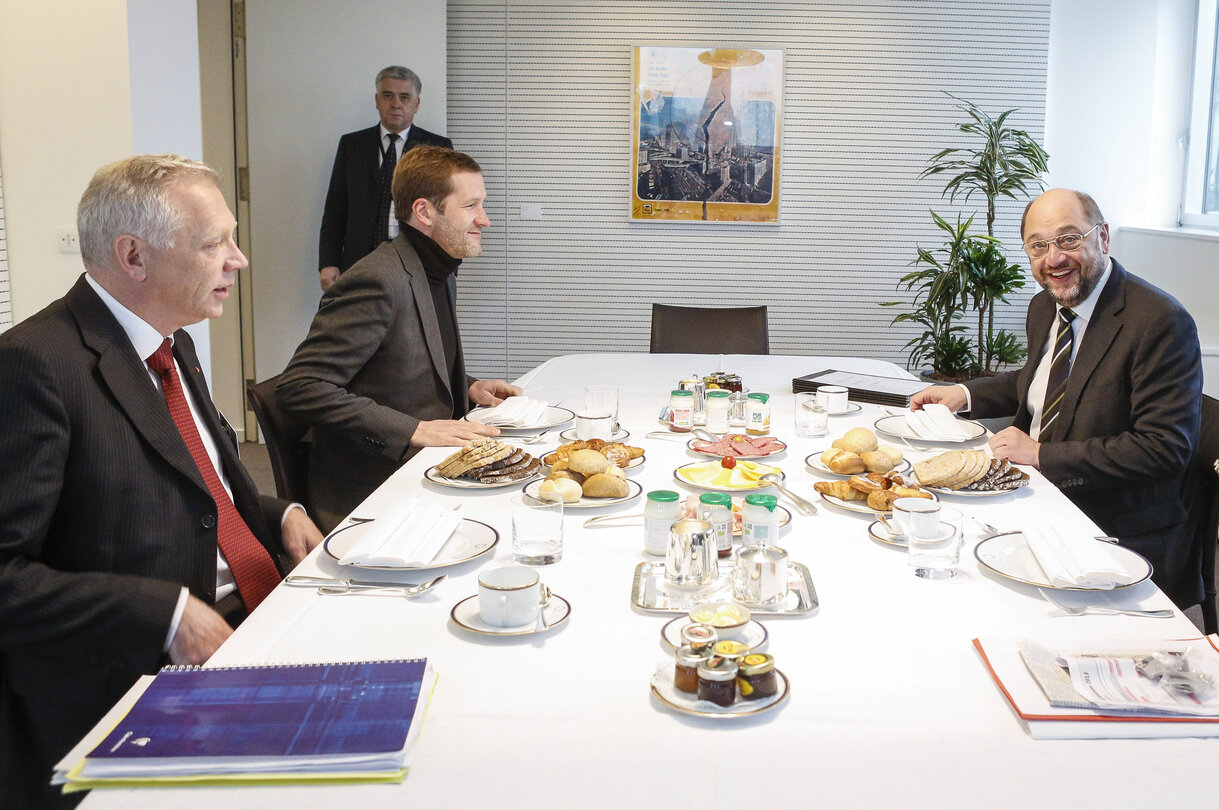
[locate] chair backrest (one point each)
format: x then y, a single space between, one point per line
706 330
1208 454
283 434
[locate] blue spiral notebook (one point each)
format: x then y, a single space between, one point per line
332 718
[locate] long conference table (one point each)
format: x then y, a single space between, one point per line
890 705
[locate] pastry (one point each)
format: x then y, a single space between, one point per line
843 462
839 489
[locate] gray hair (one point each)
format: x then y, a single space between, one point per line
131 196
401 74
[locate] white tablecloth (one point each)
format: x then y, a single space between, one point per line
890 705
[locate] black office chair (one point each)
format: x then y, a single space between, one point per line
285 443
705 330
1208 527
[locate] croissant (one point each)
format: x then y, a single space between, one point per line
839 489
864 484
882 500
910 492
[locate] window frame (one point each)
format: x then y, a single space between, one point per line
1203 97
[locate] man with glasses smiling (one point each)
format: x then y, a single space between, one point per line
1108 405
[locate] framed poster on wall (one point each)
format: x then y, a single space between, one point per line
706 130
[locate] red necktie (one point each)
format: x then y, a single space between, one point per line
252 567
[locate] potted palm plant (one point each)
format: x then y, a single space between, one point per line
970 272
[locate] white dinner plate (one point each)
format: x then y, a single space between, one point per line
860 506
552 417
472 539
814 461
974 493
754 634
782 446
680 478
465 614
634 490
686 703
469 483
1009 556
895 427
620 435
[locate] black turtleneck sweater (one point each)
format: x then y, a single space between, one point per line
439 266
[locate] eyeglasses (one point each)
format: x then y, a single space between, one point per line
1067 243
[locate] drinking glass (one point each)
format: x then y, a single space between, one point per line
812 418
537 529
602 399
936 554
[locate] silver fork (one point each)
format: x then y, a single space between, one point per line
1163 613
533 439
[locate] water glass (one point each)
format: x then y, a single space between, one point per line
537 529
602 399
812 418
937 554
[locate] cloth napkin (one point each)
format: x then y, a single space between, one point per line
514 412
936 423
408 535
1072 559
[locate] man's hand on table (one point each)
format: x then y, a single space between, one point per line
1017 447
950 396
492 392
450 433
200 633
300 535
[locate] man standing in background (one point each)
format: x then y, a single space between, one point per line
359 214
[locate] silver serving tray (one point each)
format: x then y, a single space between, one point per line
650 591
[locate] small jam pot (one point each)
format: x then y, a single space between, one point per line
756 676
699 637
731 650
685 671
717 681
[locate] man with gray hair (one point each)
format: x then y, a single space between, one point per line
359 212
130 534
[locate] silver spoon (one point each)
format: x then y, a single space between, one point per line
804 506
408 591
533 439
1106 611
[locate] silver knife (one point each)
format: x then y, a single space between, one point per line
313 582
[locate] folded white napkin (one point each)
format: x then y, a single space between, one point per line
407 535
514 412
936 423
1072 559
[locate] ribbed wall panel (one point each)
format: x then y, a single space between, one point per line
539 93
6 295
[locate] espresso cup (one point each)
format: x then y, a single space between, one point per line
833 397
508 597
594 425
759 576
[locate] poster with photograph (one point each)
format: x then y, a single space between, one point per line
706 127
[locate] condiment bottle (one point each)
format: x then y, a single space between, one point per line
756 676
717 411
717 681
659 514
757 414
699 637
716 509
681 411
685 667
759 520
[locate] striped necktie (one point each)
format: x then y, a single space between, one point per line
1060 367
251 564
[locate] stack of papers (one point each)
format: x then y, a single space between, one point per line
514 412
408 535
934 422
1073 560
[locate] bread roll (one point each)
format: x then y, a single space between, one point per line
859 441
877 461
571 475
843 462
565 488
588 462
604 485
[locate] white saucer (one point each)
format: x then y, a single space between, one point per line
570 435
754 635
465 614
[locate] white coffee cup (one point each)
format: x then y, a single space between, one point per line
508 597
832 397
594 425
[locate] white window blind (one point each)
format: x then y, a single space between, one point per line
6 297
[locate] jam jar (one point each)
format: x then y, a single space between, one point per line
685 670
756 678
731 650
717 681
699 637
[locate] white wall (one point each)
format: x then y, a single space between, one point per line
310 68
65 109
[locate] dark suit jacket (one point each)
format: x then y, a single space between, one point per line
1129 421
103 518
371 368
349 218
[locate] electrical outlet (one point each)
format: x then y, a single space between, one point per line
67 241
